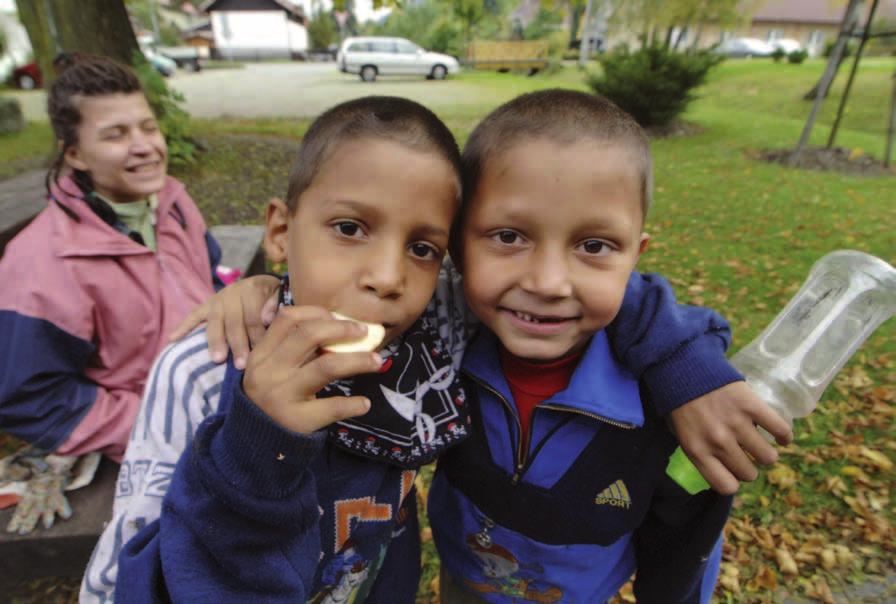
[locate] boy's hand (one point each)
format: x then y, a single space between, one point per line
287 368
718 431
236 318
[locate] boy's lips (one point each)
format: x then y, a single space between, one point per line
537 324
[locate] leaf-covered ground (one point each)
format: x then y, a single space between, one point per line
738 235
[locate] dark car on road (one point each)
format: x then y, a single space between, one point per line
27 77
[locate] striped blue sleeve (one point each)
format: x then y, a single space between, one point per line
43 392
183 388
676 351
239 522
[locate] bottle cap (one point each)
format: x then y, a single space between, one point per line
685 473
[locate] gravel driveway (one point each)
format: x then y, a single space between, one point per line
299 90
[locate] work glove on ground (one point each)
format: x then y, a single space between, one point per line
45 480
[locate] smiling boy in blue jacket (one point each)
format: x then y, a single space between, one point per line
561 491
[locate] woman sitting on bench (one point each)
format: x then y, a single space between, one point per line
95 284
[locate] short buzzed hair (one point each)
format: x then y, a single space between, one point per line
562 116
376 117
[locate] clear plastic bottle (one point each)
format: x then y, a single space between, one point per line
847 295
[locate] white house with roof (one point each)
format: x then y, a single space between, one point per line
257 29
18 46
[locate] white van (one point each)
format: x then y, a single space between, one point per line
375 56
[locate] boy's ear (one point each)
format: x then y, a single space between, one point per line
642 247
73 158
276 235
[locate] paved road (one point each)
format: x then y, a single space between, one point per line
297 90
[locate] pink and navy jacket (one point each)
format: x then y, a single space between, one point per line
84 310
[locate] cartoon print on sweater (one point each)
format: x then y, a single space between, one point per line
500 566
348 512
345 577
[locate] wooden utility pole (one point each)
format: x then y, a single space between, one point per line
852 74
828 77
891 130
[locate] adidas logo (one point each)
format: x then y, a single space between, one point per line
616 495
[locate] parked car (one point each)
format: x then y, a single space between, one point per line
745 48
163 64
185 57
27 77
375 56
788 45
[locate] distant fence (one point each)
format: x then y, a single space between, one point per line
510 55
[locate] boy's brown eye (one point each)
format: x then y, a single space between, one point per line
349 229
507 237
595 247
422 250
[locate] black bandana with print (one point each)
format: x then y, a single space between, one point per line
418 407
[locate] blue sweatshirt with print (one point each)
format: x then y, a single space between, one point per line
255 512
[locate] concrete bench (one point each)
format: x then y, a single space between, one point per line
241 247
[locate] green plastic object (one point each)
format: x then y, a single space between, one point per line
685 473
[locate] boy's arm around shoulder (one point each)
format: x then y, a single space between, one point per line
676 351
678 354
678 545
239 521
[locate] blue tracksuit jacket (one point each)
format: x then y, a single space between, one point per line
570 517
254 512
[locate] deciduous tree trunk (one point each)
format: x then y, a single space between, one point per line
92 26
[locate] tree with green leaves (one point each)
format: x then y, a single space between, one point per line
658 20
430 24
322 29
146 13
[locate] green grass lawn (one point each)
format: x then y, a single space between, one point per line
26 150
738 235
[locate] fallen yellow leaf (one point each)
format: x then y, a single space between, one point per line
764 579
852 471
878 459
730 583
786 563
782 476
434 585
